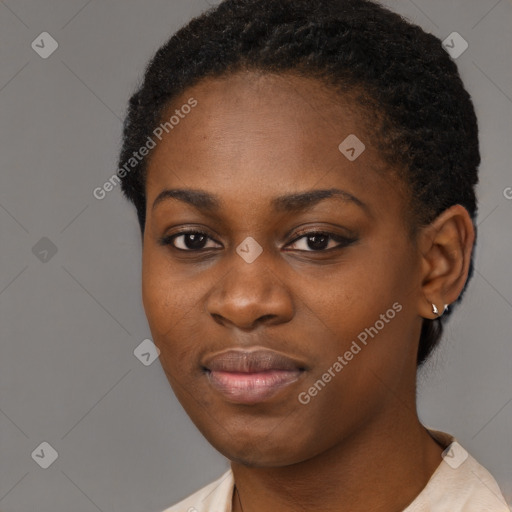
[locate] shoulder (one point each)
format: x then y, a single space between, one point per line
459 484
214 497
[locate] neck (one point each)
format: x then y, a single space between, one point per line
382 467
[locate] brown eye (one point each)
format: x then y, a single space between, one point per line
318 241
189 241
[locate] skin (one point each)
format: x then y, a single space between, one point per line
359 441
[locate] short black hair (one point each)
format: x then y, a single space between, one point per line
427 128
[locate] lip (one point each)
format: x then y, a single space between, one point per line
251 376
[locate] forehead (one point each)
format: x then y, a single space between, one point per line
252 133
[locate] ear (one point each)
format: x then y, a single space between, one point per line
445 250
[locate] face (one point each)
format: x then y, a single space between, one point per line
282 293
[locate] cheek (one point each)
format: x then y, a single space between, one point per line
365 311
355 296
171 303
157 298
166 298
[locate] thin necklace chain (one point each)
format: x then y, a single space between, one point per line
239 501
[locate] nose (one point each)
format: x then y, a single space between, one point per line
250 294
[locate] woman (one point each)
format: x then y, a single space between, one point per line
304 174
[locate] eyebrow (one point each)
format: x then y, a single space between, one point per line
300 201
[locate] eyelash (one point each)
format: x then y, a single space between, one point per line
342 241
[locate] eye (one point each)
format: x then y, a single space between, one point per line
188 241
318 241
312 241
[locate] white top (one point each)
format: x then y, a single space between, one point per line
459 484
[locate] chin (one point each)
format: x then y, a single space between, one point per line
262 435
260 449
259 459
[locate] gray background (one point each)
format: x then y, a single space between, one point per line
70 324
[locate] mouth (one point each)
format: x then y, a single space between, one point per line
249 377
